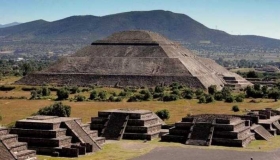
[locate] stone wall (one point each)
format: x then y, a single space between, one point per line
107 80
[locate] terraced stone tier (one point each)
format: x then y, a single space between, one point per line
11 149
57 136
140 124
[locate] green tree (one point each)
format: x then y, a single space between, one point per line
93 95
274 94
188 94
212 89
202 99
102 95
62 94
252 74
80 98
46 91
209 98
235 108
57 109
163 114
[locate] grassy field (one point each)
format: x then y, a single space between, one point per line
15 109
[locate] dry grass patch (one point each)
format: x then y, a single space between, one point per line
12 110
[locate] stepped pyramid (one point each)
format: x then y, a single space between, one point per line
135 58
57 136
211 129
117 124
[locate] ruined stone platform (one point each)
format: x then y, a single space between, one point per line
12 149
57 136
211 129
120 124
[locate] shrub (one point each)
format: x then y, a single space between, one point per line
158 95
226 91
115 99
274 94
57 109
123 94
34 94
85 90
188 94
93 95
174 85
102 95
46 91
235 108
62 94
212 89
74 90
170 97
147 95
218 96
229 99
159 89
163 114
80 98
209 98
175 92
202 99
199 92
132 98
239 99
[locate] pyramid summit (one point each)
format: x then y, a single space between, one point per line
135 58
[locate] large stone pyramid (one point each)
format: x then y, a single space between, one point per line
135 58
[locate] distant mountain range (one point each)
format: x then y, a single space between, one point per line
82 30
9 25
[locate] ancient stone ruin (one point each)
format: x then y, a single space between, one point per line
57 136
265 123
209 129
12 149
120 124
135 58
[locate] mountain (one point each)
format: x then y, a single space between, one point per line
82 30
9 25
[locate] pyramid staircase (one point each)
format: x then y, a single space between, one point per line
80 134
261 132
115 126
201 134
11 149
277 126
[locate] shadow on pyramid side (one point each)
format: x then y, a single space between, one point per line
135 58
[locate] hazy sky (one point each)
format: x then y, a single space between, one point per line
257 17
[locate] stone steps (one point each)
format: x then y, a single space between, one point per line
277 127
261 132
26 155
115 126
200 134
14 150
77 130
18 146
